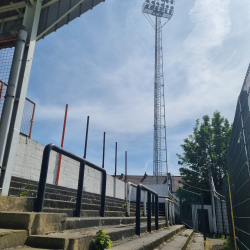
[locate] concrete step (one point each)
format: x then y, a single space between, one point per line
178 243
28 248
197 242
150 240
12 238
84 213
52 196
80 239
75 223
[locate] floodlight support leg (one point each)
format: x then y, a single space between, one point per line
30 21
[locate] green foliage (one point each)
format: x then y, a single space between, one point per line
107 209
141 213
125 205
84 189
228 244
167 228
26 192
210 138
101 242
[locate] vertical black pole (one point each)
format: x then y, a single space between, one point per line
86 139
180 206
103 194
115 158
149 213
81 176
203 218
103 152
222 217
126 173
80 190
156 212
153 205
138 210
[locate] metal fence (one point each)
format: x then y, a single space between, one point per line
192 212
238 168
6 57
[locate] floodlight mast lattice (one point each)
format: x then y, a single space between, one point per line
159 9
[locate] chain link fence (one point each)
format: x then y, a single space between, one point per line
238 169
6 57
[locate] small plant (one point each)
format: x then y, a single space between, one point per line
141 213
84 189
124 205
167 228
107 209
101 242
214 237
85 215
223 237
26 192
228 245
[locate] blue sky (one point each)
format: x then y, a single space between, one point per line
102 65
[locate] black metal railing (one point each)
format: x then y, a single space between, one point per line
44 172
156 197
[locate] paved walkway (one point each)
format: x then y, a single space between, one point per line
214 244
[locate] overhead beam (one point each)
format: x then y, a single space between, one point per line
12 6
59 19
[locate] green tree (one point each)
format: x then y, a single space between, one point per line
210 138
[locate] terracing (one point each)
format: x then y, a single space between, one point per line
55 228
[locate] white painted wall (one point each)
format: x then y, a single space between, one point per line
28 164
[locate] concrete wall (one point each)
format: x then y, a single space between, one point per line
161 189
28 164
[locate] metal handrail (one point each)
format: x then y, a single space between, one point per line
44 172
141 187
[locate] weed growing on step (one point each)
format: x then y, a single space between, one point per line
84 189
26 192
107 209
125 205
228 244
101 242
167 228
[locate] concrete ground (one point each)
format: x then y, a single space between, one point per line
214 244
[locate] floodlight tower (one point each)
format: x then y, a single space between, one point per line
159 9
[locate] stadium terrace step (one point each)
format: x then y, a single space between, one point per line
81 238
148 241
12 238
178 243
60 199
197 242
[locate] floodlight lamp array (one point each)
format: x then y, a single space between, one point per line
159 8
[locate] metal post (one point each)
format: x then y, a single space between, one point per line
30 21
1 89
126 167
149 213
103 194
180 206
138 211
232 212
10 96
153 205
103 151
222 217
32 119
115 158
156 212
81 176
166 212
86 138
203 218
62 142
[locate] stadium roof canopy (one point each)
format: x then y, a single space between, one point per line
54 14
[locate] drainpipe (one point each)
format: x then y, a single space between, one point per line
11 90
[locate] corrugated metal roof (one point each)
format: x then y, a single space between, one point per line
50 13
